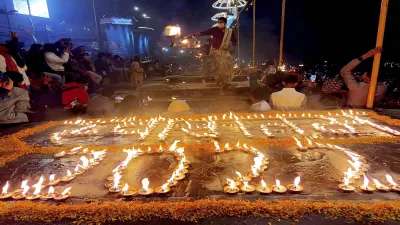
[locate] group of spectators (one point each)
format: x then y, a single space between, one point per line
58 74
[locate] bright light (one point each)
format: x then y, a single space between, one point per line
136 8
38 7
181 51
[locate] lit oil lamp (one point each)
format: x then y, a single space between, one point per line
185 162
145 188
74 150
295 187
52 181
365 187
346 187
171 181
79 170
217 148
180 172
228 182
227 147
247 188
300 147
126 192
349 175
254 172
21 189
160 149
50 194
163 189
278 188
68 177
5 194
38 187
393 185
60 154
232 187
241 178
21 195
380 187
64 195
263 188
114 186
310 144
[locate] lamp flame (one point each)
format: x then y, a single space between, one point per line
52 177
298 142
69 174
51 190
296 182
278 183
26 189
125 188
217 148
366 182
239 174
377 183
85 162
24 184
164 186
232 185
5 188
263 184
117 178
390 180
145 184
173 146
66 190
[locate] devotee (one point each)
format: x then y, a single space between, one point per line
14 103
74 96
102 104
257 100
358 91
55 59
333 85
102 66
9 64
137 72
229 100
221 51
288 98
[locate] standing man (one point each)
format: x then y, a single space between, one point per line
221 51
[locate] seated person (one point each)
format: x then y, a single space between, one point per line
333 85
257 100
14 101
102 104
228 101
358 91
74 96
288 99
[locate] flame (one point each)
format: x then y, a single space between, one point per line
180 151
390 180
24 184
349 174
377 183
366 182
278 183
171 180
296 181
173 146
263 184
66 190
245 185
254 170
51 190
239 174
309 141
164 186
298 142
26 189
117 178
85 162
145 184
217 148
52 177
5 188
69 174
232 184
38 186
125 188
238 145
226 147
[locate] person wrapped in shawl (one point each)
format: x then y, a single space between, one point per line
221 61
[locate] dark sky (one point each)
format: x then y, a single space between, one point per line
315 30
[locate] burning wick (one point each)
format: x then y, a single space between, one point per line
311 144
5 194
242 178
60 154
278 188
393 185
126 192
163 189
50 194
345 187
247 188
68 177
295 187
263 188
115 183
52 180
231 188
300 147
145 187
64 195
365 187
21 195
38 187
380 186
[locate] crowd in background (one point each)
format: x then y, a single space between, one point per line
58 74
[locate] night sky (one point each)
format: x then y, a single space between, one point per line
316 30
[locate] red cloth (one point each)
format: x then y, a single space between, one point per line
72 91
11 65
218 36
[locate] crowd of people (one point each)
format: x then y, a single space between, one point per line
58 74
